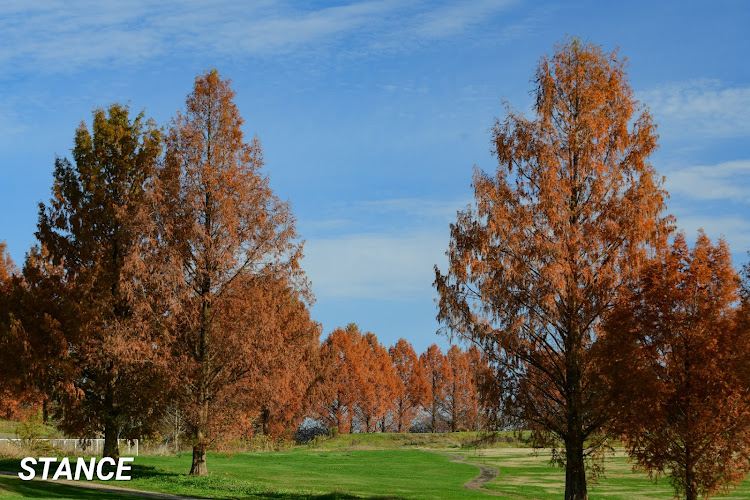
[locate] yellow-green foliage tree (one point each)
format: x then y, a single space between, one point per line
89 229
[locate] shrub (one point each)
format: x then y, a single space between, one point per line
309 429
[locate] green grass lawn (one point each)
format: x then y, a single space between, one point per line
349 472
527 475
304 474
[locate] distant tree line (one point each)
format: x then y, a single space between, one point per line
361 386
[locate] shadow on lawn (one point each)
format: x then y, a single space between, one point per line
43 489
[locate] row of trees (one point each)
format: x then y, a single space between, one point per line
363 387
605 323
165 276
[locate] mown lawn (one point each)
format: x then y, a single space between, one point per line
303 474
359 473
526 474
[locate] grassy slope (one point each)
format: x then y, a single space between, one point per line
432 441
8 429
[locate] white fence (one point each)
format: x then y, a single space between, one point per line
89 446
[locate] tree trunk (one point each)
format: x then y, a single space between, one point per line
575 468
111 446
45 411
691 489
265 416
691 492
199 467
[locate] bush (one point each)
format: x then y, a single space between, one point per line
419 427
309 429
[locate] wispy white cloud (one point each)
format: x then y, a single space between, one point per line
418 207
374 266
735 229
386 250
724 181
452 20
443 20
55 36
381 216
700 107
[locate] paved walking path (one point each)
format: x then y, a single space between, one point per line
109 488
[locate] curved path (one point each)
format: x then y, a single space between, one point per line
110 489
486 474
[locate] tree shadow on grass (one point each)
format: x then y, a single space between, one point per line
322 496
42 489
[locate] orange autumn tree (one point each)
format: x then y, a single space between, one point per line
564 222
437 375
285 344
461 397
411 388
11 367
216 227
378 386
493 392
675 360
334 395
7 267
47 325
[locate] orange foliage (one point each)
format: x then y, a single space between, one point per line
676 361
493 392
284 341
438 377
9 373
335 394
411 389
379 385
462 399
564 222
219 236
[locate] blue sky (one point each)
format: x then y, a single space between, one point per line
372 114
